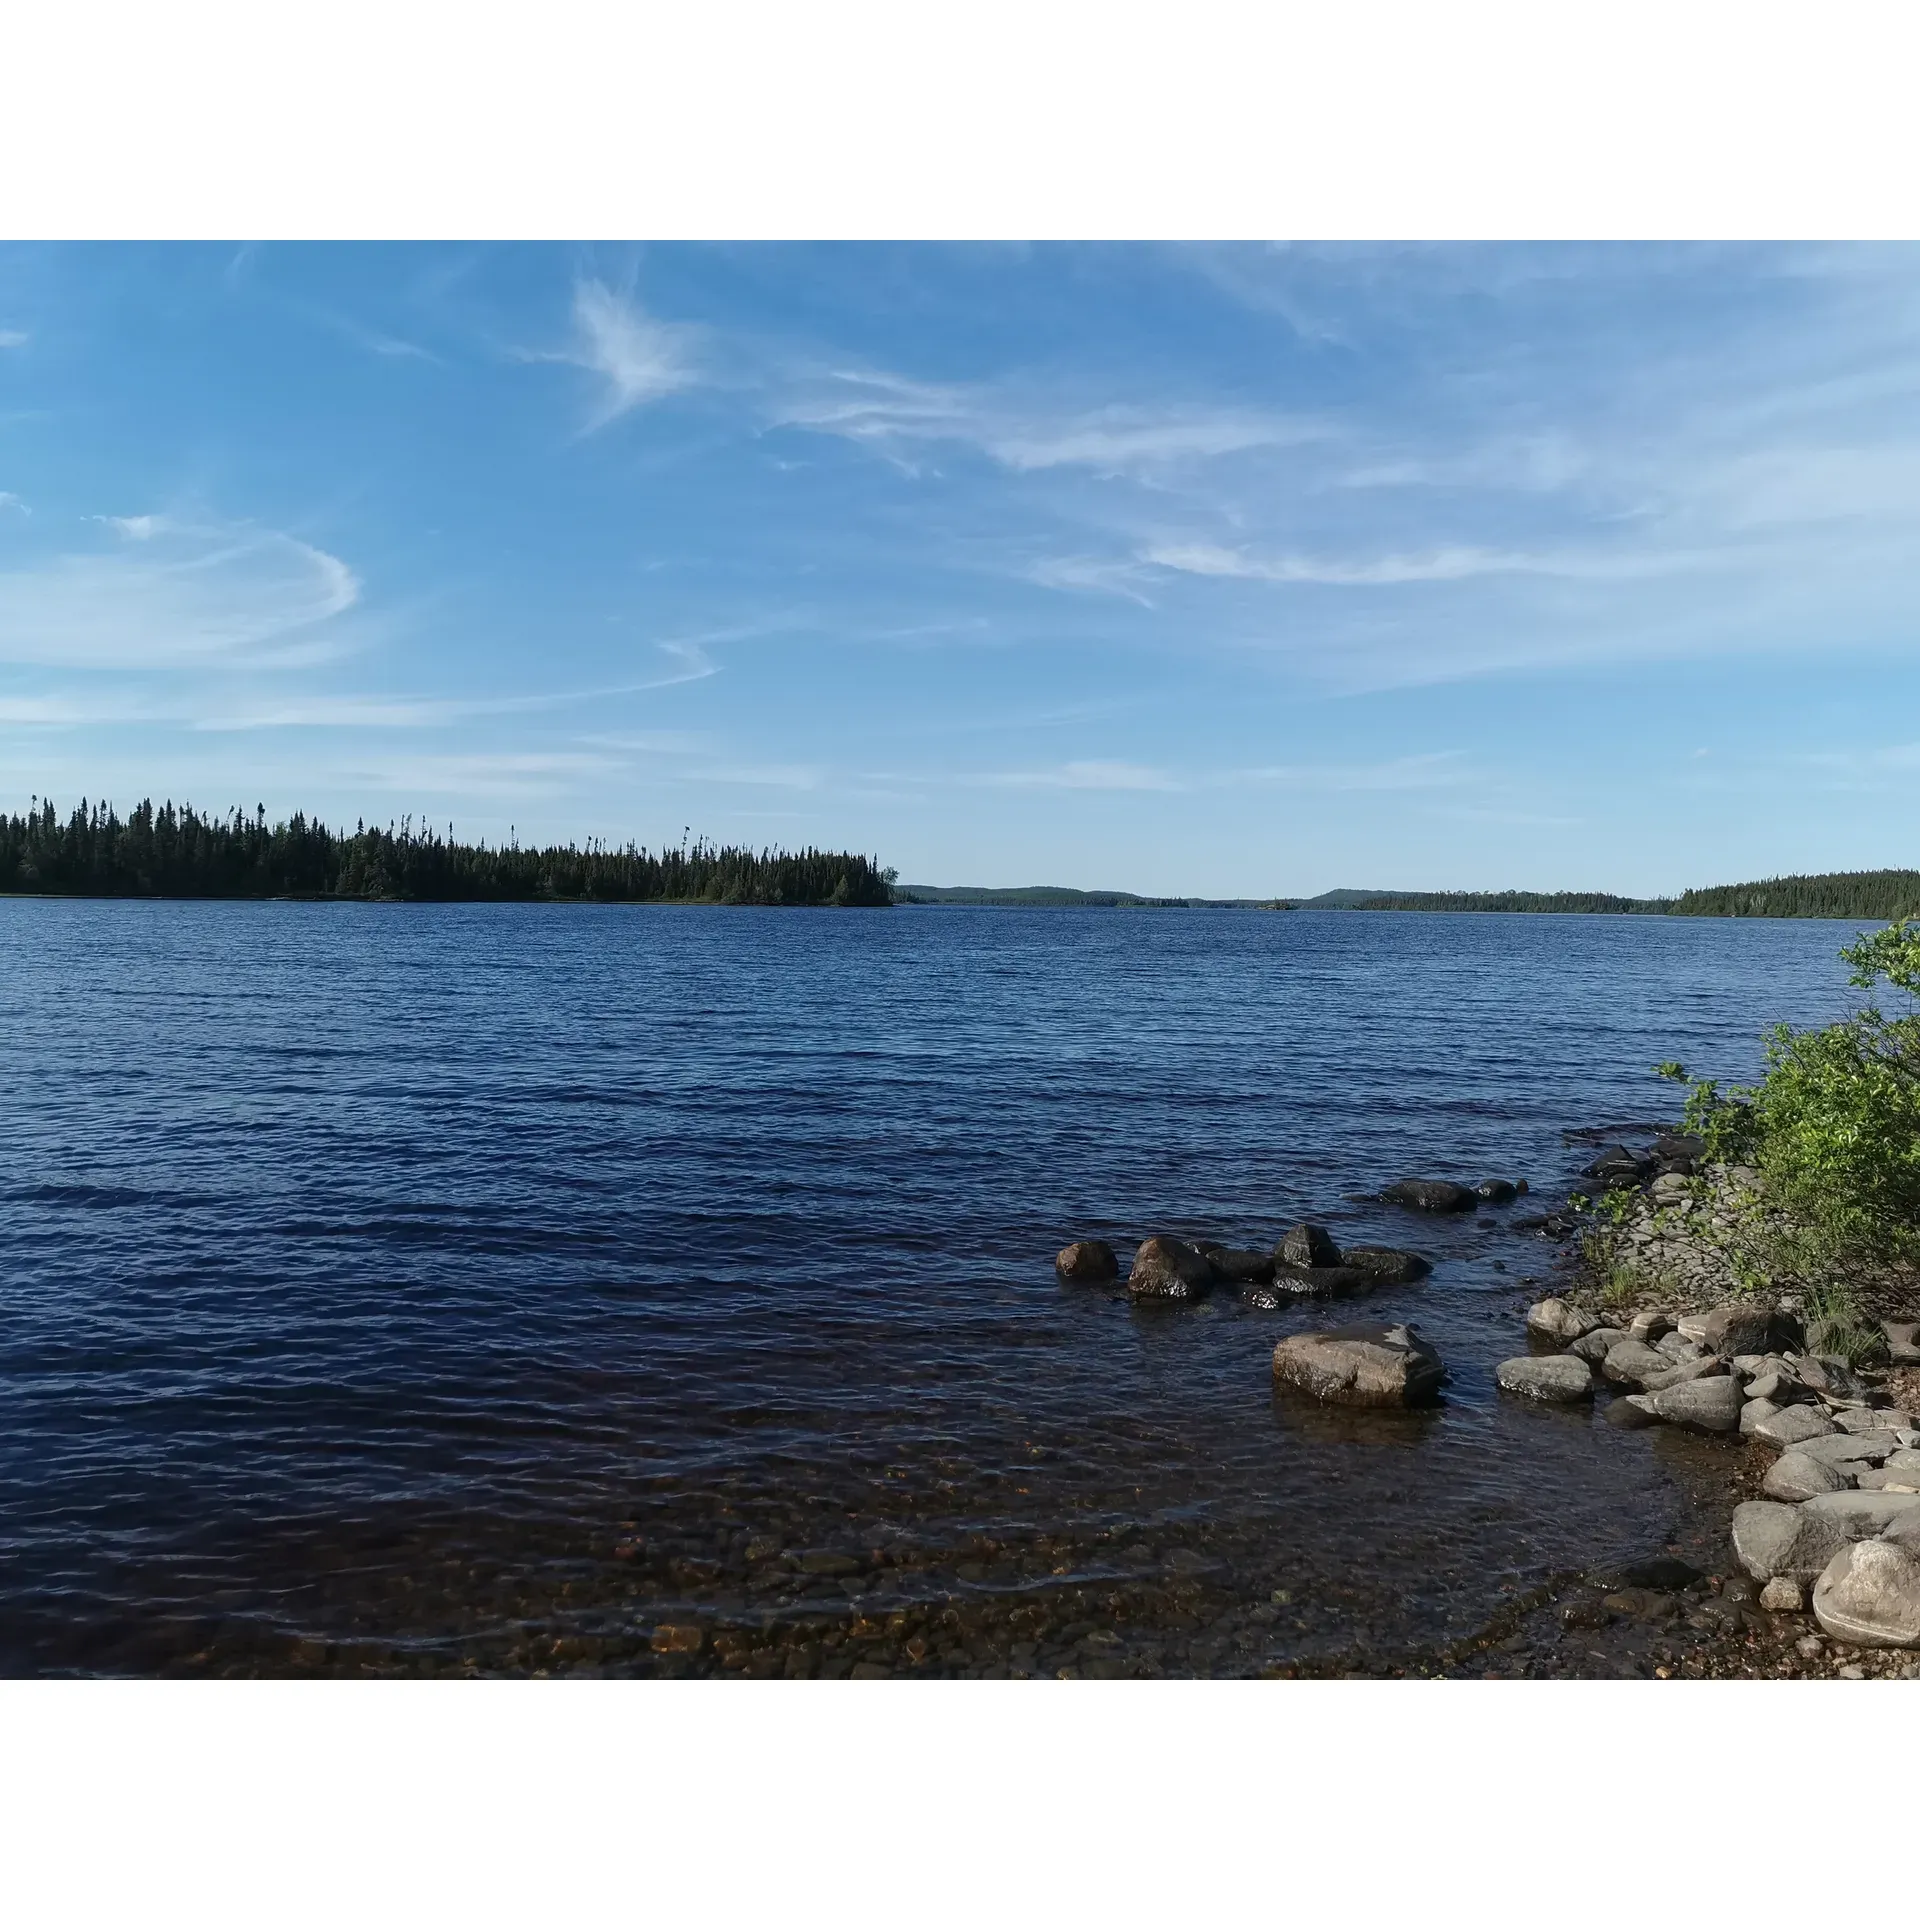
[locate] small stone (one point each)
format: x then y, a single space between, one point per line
1663 1573
678 1639
821 1561
1869 1596
1808 1645
1669 1189
1558 1377
1903 1341
1799 1476
1090 1260
1307 1245
1784 1594
1555 1318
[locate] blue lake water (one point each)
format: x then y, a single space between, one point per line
421 1289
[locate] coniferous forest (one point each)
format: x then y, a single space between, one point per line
174 851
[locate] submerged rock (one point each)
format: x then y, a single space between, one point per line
1368 1364
1559 1377
1320 1283
1499 1191
1621 1167
1389 1263
1869 1595
1166 1269
1087 1260
1307 1245
1632 1410
1432 1196
1556 1319
1235 1265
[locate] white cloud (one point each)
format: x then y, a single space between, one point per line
1402 569
12 337
640 358
13 503
172 597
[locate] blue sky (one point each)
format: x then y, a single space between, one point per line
1232 570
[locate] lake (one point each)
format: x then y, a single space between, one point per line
432 1289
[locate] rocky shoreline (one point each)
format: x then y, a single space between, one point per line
1803 1561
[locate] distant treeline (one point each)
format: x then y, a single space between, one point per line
1509 902
175 851
911 894
1889 894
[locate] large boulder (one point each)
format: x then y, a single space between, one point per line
1389 1263
1681 1152
1557 1376
1632 1363
1087 1260
1593 1346
1498 1191
1432 1196
1168 1270
1799 1476
1788 1425
1848 1449
1709 1406
1869 1595
1307 1245
1556 1319
1736 1329
1771 1539
1369 1364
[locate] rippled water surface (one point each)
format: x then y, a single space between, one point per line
429 1289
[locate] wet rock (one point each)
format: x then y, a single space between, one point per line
1307 1245
1790 1425
677 1639
1784 1594
1663 1573
1369 1364
1799 1476
1735 1329
823 1560
1264 1299
1592 1347
1632 1410
1432 1196
1499 1192
1389 1263
1090 1260
1165 1269
1320 1283
1869 1595
1631 1363
1236 1266
1555 1318
1621 1167
1709 1406
1560 1377
1682 1152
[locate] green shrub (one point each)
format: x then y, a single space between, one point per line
1834 1122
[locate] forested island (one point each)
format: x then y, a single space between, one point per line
1889 893
176 852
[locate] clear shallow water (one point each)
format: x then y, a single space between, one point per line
419 1288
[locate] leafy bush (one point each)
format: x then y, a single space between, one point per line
1834 1122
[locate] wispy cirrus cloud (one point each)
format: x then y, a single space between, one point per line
164 595
1094 776
636 358
11 337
